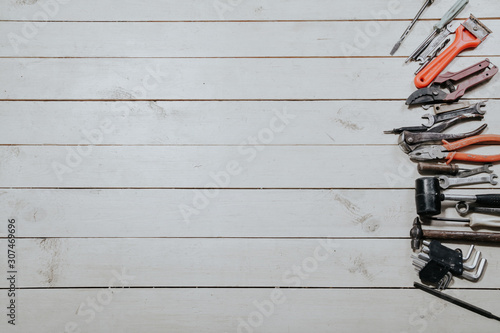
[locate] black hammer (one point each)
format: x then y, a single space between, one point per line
428 197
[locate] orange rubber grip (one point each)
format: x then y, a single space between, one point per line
487 138
463 40
490 138
472 158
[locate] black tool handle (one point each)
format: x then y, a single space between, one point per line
488 200
434 168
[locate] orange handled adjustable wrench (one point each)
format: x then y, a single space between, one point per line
468 35
448 150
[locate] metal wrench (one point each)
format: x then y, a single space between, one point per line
443 108
463 208
437 118
467 173
446 182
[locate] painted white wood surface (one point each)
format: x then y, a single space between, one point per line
157 262
219 310
212 123
169 135
172 10
223 39
215 79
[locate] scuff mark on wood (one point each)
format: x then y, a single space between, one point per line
51 266
359 266
366 220
26 2
348 124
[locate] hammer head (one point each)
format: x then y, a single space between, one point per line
428 196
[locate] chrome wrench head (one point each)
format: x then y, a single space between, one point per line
475 109
463 208
484 169
447 182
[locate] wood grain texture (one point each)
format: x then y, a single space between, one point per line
156 262
219 310
109 128
235 213
223 39
215 79
206 167
212 123
158 10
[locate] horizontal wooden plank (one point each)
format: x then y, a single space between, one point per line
212 123
235 213
241 310
223 39
206 167
181 79
209 167
232 213
90 262
157 10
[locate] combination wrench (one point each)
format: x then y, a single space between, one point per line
446 182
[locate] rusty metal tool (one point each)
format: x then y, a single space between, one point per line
426 4
448 152
418 235
456 301
443 108
429 44
434 119
447 182
425 168
410 141
464 208
437 118
484 169
468 35
473 75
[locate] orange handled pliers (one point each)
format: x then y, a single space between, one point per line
447 150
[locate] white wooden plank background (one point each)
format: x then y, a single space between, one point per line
84 83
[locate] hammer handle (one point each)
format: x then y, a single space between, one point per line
463 236
488 200
426 168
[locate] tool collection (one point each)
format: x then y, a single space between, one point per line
434 147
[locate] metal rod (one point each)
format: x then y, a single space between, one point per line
413 22
456 301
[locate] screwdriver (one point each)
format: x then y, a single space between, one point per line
456 301
407 31
445 20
